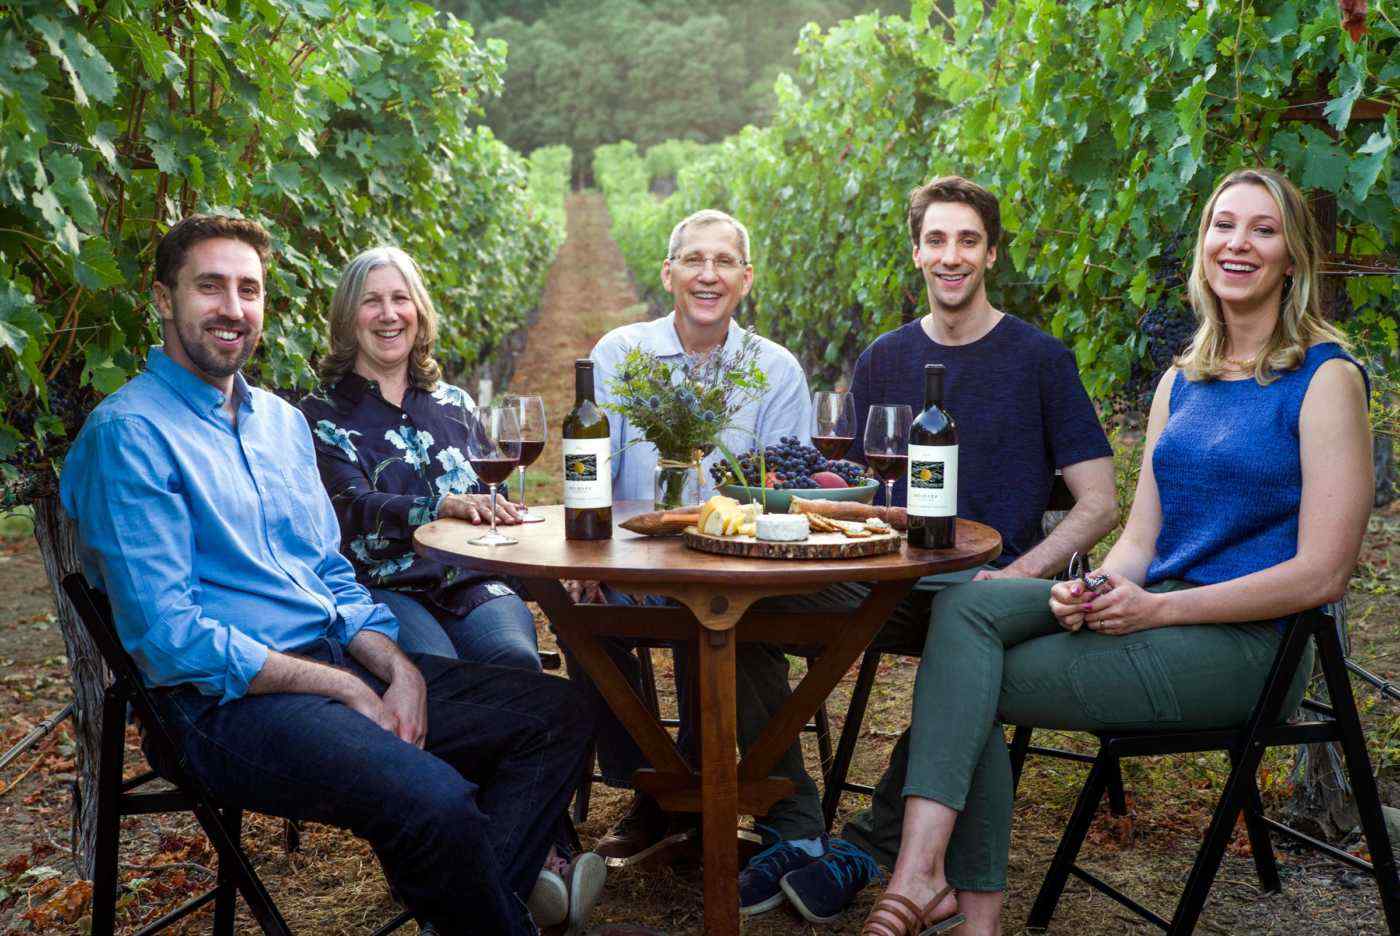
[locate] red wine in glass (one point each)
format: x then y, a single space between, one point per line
493 449
832 446
888 467
833 422
887 443
529 412
493 470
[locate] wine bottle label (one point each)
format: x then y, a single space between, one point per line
933 480
587 473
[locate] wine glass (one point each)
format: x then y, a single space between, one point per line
833 422
534 432
887 443
493 448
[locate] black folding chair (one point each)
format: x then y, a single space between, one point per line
118 796
1336 721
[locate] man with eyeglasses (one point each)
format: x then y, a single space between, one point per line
707 272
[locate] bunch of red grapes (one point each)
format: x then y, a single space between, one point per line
790 466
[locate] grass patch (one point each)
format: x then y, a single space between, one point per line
17 523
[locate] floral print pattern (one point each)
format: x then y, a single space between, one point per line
387 469
457 476
336 437
414 443
454 398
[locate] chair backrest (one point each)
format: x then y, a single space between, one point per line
1061 502
95 613
1301 629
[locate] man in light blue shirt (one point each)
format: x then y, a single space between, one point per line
784 410
707 272
201 514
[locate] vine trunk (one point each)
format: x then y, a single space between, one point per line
57 536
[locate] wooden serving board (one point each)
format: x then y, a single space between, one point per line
815 546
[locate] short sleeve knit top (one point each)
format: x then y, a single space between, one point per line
1229 474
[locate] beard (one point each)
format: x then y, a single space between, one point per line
213 361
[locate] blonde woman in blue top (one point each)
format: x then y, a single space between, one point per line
1253 497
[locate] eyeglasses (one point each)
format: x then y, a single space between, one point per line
724 264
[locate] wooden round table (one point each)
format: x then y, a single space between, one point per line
716 595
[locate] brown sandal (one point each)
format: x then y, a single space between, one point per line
914 921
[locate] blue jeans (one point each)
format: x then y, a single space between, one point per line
462 827
499 631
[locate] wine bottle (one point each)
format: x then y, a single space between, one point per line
587 463
933 469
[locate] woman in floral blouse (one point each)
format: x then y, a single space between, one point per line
392 453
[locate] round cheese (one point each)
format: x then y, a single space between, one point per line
783 528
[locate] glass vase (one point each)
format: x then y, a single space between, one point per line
675 484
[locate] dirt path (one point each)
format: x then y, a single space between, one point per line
589 293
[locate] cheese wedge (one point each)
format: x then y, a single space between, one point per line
707 522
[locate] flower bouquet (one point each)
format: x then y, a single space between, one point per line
683 408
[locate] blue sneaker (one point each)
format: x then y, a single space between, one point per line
758 882
822 889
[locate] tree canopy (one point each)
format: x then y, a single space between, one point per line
583 73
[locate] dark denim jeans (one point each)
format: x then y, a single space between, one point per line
461 827
499 631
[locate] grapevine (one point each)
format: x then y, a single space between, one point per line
337 125
1101 128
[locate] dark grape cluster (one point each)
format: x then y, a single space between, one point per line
67 406
790 463
1168 326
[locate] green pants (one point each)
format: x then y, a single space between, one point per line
994 653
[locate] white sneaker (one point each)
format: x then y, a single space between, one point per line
549 902
587 873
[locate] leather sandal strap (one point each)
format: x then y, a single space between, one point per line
898 906
926 915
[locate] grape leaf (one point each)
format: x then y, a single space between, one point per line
19 319
72 191
1369 162
14 58
1324 163
60 225
91 75
104 375
95 267
101 139
1350 82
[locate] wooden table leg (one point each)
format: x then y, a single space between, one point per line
846 635
719 779
634 715
718 610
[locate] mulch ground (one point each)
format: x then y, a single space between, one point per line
332 885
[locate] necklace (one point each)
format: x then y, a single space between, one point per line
1241 365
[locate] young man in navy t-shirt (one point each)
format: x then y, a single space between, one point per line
1022 413
1014 391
